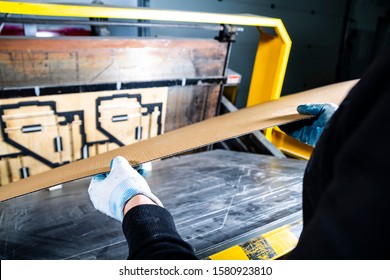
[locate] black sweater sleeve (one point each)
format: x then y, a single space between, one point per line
151 235
346 187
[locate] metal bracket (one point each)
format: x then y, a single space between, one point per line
228 33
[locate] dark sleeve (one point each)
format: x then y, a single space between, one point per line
346 188
151 235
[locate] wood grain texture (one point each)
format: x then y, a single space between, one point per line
28 62
190 104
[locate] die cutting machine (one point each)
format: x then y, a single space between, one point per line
67 99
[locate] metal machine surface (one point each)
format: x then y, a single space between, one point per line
218 199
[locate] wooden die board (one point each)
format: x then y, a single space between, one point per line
39 133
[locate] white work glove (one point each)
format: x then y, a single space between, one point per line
109 192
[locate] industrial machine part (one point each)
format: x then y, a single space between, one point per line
43 132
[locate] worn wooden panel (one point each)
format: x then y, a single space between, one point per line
5 176
31 62
41 117
76 137
14 168
33 165
38 133
27 62
6 149
191 104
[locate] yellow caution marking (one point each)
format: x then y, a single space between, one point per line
282 240
233 253
269 246
259 249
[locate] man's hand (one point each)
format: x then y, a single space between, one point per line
110 192
311 129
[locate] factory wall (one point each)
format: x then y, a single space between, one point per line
367 32
114 30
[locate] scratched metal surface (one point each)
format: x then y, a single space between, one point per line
217 198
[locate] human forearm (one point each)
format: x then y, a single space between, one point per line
151 234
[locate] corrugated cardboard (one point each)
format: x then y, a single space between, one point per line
220 128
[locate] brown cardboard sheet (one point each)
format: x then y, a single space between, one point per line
200 134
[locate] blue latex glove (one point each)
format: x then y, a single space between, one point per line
312 130
109 192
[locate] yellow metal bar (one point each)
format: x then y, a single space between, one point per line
289 145
86 11
270 66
